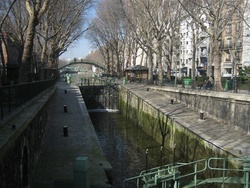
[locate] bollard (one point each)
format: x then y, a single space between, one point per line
65 131
13 126
65 91
172 101
65 109
81 175
201 115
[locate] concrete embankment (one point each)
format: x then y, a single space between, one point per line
60 150
177 125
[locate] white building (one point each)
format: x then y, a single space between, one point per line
186 50
246 38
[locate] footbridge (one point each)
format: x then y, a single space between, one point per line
87 62
186 175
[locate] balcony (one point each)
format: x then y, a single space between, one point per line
238 45
226 47
203 34
203 44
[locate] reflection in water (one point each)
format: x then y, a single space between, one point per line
124 145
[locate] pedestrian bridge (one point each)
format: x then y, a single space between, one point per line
186 175
87 62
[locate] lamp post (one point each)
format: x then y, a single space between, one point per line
146 160
175 77
161 150
176 60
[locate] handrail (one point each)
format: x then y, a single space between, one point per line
170 172
13 97
226 159
166 173
195 170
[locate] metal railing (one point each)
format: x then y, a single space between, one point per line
92 81
227 86
167 175
14 96
173 175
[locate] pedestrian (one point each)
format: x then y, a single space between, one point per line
209 84
205 84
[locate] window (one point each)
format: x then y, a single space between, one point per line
228 70
229 28
228 58
229 42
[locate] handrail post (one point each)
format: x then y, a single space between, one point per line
195 175
246 172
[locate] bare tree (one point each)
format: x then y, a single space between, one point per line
218 14
16 23
107 33
155 25
139 22
4 12
36 9
59 29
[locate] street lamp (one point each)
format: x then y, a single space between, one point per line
146 160
161 150
176 60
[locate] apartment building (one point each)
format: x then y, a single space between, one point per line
231 46
234 47
246 38
187 57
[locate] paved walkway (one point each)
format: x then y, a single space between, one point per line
213 132
59 152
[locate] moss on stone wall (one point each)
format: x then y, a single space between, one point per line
186 146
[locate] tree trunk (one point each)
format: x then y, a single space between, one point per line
25 67
217 65
159 62
3 75
150 66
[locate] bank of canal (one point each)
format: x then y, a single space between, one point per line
124 145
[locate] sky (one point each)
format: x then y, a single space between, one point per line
82 47
79 49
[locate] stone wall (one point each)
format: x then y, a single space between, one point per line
184 144
21 140
230 108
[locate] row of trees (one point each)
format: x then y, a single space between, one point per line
125 29
41 30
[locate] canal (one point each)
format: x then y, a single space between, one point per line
124 145
130 150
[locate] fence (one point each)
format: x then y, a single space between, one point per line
14 96
228 85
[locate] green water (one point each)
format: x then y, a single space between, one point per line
124 145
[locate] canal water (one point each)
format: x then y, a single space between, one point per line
124 145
